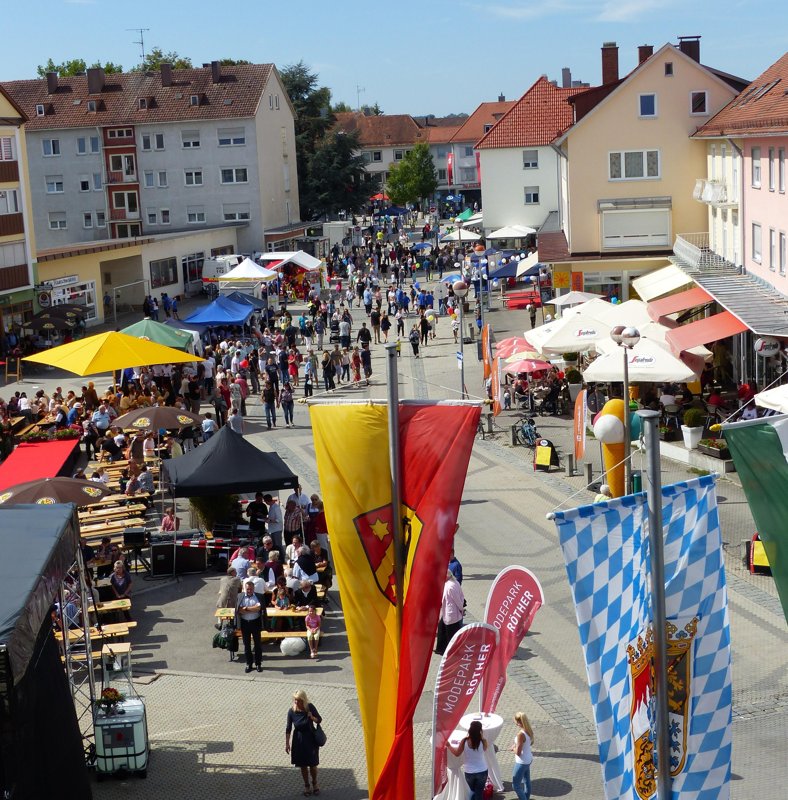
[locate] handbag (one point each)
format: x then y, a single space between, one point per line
320 736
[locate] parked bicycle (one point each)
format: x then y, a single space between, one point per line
526 432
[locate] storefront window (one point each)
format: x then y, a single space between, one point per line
608 285
80 294
192 267
163 272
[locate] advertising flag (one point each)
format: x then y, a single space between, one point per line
497 387
514 598
759 454
487 350
607 559
459 675
450 168
581 423
435 446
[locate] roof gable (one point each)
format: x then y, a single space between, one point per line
383 130
8 108
486 114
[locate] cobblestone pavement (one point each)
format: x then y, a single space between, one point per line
216 731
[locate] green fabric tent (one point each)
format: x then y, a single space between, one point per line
161 334
465 215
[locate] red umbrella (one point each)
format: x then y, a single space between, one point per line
380 196
527 365
514 344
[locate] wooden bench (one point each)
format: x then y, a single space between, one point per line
108 513
113 526
110 631
111 605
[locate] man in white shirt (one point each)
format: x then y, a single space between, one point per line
209 427
299 497
207 375
274 521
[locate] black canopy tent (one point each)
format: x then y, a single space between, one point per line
39 544
226 464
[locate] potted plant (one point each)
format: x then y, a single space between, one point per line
575 382
109 700
67 433
667 434
692 428
570 358
716 448
35 436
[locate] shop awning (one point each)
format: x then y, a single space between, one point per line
660 282
720 326
678 302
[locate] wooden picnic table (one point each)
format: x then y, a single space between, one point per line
109 606
112 526
110 631
229 613
115 499
113 511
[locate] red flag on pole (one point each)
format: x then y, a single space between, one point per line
497 387
581 423
460 672
514 598
450 168
487 350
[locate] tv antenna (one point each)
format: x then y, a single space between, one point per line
359 90
141 40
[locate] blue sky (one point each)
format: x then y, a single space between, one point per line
408 56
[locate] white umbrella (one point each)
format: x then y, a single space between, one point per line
632 313
648 363
475 219
461 235
511 232
776 399
248 270
570 334
574 298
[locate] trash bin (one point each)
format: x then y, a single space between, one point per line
637 482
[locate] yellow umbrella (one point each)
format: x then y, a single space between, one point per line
521 355
109 352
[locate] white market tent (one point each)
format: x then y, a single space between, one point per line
248 270
461 235
648 362
511 232
775 399
570 334
573 298
297 257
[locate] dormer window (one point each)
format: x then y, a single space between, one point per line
142 102
194 100
92 105
40 110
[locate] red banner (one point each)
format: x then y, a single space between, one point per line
514 598
581 423
450 168
459 674
487 350
478 167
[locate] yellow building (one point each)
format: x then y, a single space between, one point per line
17 239
628 168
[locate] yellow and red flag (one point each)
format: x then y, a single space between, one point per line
352 450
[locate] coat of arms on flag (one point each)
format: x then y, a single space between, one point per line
607 558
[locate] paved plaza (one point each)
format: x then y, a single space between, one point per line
217 732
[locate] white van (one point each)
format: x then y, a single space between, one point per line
214 268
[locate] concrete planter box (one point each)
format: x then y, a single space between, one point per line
692 436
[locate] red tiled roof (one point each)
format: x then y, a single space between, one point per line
538 117
16 108
553 247
486 114
762 107
441 135
236 95
385 130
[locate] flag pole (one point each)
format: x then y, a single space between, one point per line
656 545
394 458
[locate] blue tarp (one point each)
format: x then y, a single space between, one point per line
393 211
221 312
507 270
246 299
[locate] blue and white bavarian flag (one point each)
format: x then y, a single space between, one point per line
607 558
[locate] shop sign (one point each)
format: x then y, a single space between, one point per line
767 346
57 283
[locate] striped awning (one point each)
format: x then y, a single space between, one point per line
678 302
710 329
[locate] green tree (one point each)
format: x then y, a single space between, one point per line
233 62
337 179
372 111
74 66
414 178
341 107
312 105
157 57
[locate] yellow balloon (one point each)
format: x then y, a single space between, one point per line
430 318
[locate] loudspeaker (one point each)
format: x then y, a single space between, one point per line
169 559
162 560
135 537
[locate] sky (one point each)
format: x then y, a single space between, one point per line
410 56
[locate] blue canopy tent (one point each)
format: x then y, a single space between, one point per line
393 211
222 312
421 246
246 299
507 270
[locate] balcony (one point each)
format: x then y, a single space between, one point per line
9 172
121 177
714 193
13 277
121 215
697 256
11 224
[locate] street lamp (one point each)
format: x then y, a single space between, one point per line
627 338
460 291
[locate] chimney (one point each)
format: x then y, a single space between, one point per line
609 62
690 46
216 72
645 51
166 74
51 82
501 98
566 78
95 80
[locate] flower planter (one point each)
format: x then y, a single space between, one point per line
670 435
574 390
715 452
692 436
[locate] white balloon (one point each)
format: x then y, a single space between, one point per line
292 646
609 429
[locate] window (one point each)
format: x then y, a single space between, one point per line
772 171
467 174
232 137
7 149
377 155
530 159
125 201
126 231
783 253
120 133
190 139
84 183
82 146
162 178
756 167
9 202
95 144
11 255
192 267
647 104
756 242
235 212
151 216
164 215
40 110
698 102
194 100
57 220
630 165
399 155
772 249
101 219
54 184
51 147
148 179
366 157
233 175
88 144
781 169
636 228
487 128
193 177
124 163
142 102
87 219
286 176
735 173
442 151
441 174
195 214
531 195
97 182
146 142
276 102
668 69
163 272
152 141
